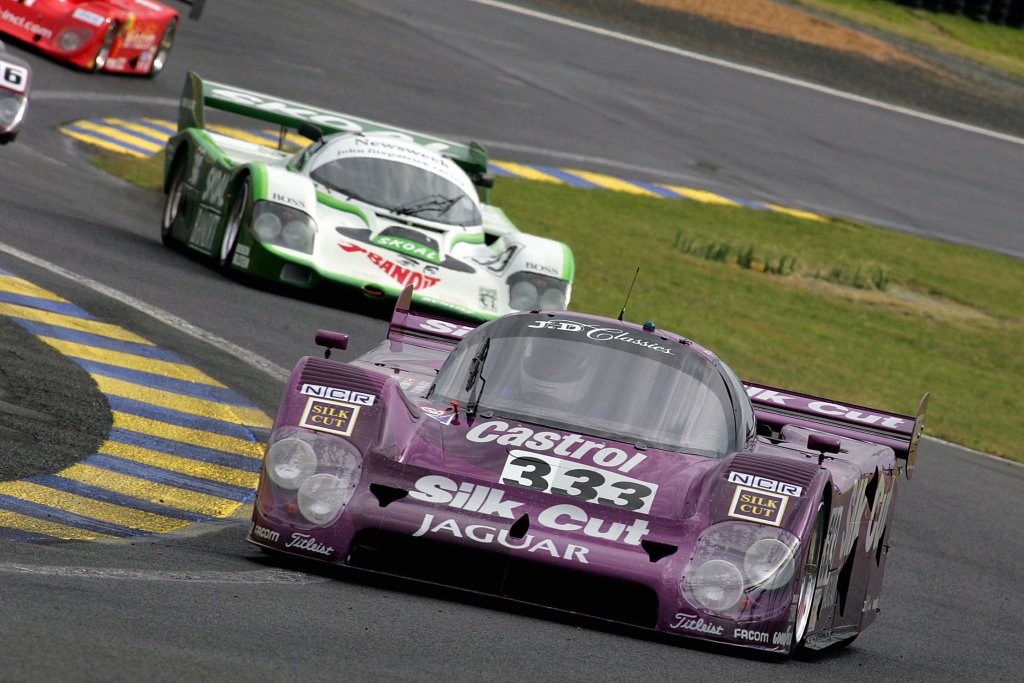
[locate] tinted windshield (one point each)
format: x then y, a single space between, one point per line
400 187
606 381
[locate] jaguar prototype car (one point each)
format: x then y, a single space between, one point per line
590 465
121 36
360 204
15 81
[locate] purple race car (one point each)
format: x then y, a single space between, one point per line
593 466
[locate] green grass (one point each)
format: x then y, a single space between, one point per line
999 47
950 319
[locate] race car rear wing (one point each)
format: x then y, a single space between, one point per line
198 94
776 408
429 331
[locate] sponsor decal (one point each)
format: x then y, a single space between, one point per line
139 41
24 24
601 333
871 605
404 276
488 298
204 230
407 247
116 64
441 415
13 77
486 500
285 199
879 512
336 394
151 5
756 505
691 622
824 408
216 186
413 386
541 268
267 534
752 636
443 327
578 481
242 249
330 416
782 638
571 446
765 483
88 17
481 533
307 542
240 260
434 412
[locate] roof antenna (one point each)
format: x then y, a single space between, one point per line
623 311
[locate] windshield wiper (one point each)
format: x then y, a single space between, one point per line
476 367
434 202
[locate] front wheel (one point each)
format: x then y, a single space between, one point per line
809 577
163 50
175 204
233 226
105 47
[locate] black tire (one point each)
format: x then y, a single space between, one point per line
233 225
177 200
808 578
108 42
164 47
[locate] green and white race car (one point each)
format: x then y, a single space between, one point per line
362 204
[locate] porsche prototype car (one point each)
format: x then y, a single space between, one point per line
367 206
122 36
15 81
589 465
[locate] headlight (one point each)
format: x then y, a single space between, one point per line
769 564
523 296
73 38
283 226
10 110
322 496
290 462
717 585
552 300
266 226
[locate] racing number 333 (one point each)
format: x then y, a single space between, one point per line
577 481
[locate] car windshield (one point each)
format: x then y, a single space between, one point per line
604 380
399 187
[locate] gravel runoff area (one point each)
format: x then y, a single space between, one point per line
782 37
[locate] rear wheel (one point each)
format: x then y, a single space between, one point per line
233 226
108 43
163 50
176 200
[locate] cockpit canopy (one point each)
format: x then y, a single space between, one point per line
397 176
599 378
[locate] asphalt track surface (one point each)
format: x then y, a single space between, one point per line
200 604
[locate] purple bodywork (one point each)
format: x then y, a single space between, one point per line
763 543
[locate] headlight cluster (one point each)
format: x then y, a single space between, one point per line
11 108
284 226
529 291
313 474
741 569
74 37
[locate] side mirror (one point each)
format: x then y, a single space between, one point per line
823 444
311 132
331 340
485 180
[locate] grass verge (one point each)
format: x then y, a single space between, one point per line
948 320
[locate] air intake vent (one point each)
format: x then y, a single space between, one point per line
330 374
781 469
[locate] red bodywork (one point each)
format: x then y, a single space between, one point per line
76 31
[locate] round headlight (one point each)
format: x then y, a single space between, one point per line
322 496
267 227
298 235
523 296
9 108
290 462
552 300
717 585
769 564
72 39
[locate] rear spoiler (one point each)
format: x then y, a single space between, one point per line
198 94
430 331
776 408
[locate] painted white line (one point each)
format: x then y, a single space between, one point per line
199 576
244 355
749 70
965 449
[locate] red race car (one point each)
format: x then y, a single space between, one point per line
122 36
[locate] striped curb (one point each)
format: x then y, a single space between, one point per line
146 137
183 447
